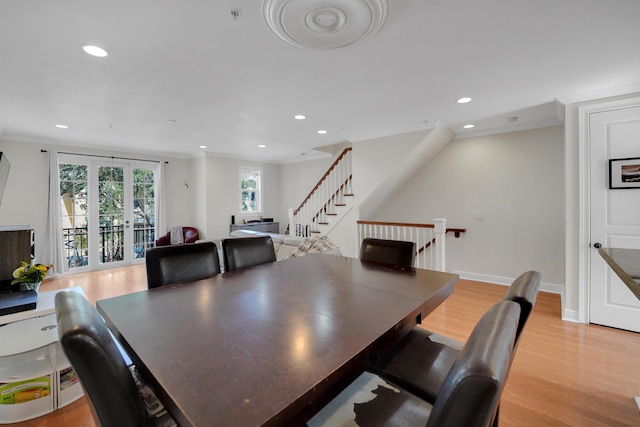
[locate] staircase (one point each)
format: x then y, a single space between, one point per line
329 201
330 209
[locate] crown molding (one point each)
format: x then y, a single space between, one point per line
599 94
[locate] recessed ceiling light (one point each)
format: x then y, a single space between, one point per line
95 51
469 126
299 117
62 126
203 146
262 146
463 100
322 132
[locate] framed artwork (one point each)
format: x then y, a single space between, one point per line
624 173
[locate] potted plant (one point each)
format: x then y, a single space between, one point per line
29 276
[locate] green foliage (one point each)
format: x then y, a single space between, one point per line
30 273
74 190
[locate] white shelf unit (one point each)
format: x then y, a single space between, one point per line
31 358
68 388
27 368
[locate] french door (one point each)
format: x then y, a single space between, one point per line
107 211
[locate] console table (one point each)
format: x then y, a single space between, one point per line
35 376
265 227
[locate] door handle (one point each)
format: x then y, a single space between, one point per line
597 245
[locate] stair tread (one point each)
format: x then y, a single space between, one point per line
350 194
323 223
341 204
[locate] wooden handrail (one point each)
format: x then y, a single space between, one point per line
333 196
456 231
335 163
395 224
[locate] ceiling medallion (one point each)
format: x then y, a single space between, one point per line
321 24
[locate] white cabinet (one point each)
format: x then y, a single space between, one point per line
35 375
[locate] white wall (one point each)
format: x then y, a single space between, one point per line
373 158
515 180
296 182
26 195
222 194
198 190
177 173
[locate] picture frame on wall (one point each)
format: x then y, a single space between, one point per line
624 173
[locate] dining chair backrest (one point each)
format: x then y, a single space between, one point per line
94 356
247 252
167 265
471 392
524 291
393 252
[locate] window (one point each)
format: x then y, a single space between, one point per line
250 201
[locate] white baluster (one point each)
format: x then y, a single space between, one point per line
292 223
440 227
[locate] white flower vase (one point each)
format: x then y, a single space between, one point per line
30 286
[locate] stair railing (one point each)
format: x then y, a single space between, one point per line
429 238
321 202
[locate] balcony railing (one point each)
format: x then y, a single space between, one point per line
111 243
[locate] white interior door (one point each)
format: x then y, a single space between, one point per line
614 215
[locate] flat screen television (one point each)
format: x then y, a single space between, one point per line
4 173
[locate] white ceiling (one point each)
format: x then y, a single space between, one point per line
231 84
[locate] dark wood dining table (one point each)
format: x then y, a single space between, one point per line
259 346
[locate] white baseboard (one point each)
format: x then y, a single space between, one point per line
567 315
570 316
498 280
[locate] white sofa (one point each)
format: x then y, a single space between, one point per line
283 244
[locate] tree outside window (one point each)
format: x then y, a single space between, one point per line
250 190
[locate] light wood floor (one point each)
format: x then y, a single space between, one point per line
564 374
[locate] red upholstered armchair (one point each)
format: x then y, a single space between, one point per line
190 236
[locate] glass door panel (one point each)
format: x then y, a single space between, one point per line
112 215
143 211
73 210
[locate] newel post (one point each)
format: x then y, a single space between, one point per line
439 229
292 225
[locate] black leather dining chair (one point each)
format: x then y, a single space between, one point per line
115 397
470 394
524 291
393 252
247 252
421 361
167 265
